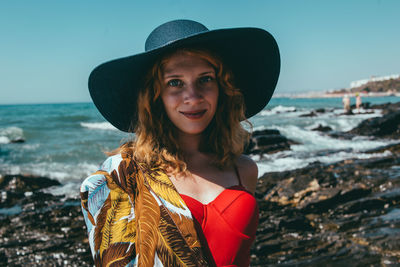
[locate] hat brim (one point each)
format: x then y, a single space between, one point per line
251 53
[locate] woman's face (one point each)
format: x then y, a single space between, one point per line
189 92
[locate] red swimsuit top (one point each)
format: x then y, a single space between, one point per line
229 224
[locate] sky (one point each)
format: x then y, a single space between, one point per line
48 48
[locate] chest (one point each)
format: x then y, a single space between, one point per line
205 184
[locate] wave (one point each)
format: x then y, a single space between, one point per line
282 162
69 175
316 146
9 134
98 125
277 110
62 172
315 141
71 118
4 140
340 122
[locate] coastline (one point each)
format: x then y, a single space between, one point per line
323 94
323 213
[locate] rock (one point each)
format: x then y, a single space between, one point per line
44 230
314 113
267 141
311 114
330 214
298 223
322 128
392 148
266 132
341 135
364 105
18 140
348 112
15 189
387 126
387 107
23 183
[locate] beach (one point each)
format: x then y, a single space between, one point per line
328 192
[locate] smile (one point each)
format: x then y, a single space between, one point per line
197 114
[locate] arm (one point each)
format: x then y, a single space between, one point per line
107 207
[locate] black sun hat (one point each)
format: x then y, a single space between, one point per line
251 53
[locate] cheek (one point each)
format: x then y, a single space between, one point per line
214 99
169 101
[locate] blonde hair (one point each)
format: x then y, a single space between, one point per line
156 141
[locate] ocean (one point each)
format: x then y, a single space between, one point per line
67 141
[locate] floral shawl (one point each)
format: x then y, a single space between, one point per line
135 217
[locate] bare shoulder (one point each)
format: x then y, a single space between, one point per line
248 172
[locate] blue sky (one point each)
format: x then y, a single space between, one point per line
48 48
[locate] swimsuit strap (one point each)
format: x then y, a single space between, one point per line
237 173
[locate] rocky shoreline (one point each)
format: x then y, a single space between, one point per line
40 229
341 214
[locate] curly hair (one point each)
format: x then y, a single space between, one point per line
156 136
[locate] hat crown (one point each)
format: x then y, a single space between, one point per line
172 31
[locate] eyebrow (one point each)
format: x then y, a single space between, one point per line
166 75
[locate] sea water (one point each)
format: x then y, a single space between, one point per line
67 141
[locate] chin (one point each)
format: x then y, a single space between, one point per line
193 131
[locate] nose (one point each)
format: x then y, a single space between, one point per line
192 94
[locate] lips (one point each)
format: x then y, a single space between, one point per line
196 114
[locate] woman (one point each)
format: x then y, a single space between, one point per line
180 193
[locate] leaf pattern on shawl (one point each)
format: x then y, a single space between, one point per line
187 229
100 222
130 221
162 185
84 203
116 255
115 227
173 249
97 193
148 216
126 176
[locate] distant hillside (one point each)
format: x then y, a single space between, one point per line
392 85
386 87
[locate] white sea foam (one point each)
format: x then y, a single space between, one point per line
69 176
348 122
65 172
4 140
316 146
30 146
340 122
336 119
280 164
98 125
9 169
315 141
10 133
62 172
277 163
277 110
69 189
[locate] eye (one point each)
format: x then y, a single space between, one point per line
175 83
206 79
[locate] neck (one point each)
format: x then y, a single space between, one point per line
189 143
